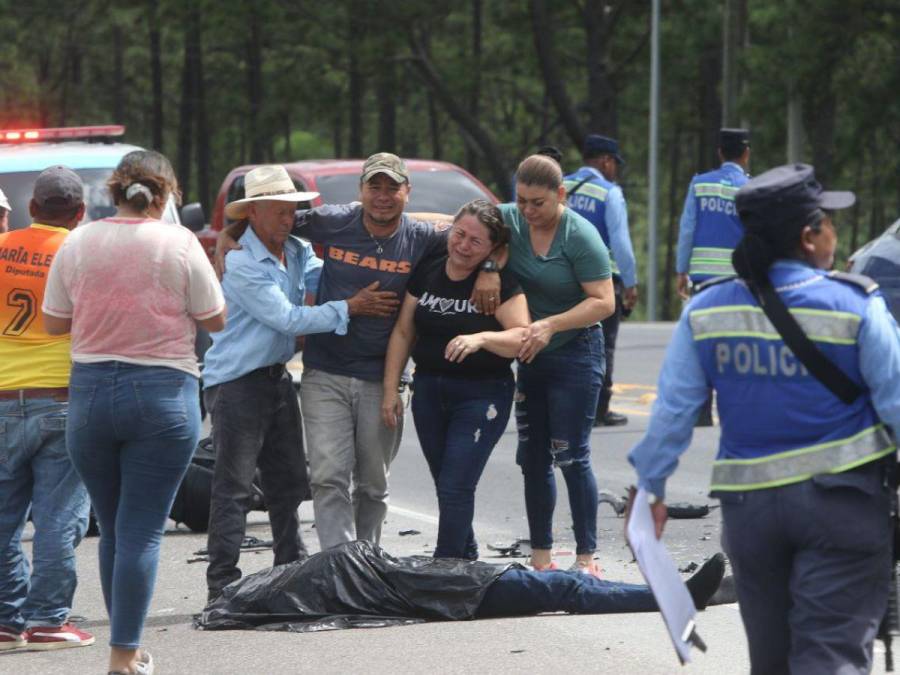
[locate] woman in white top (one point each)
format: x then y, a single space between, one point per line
132 289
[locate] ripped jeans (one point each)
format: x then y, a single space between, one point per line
459 421
556 400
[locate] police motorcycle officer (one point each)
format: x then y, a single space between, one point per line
806 366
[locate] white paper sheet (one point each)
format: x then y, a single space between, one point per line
672 596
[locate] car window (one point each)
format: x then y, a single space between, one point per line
433 191
19 187
236 191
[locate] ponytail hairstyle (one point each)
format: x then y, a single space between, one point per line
142 178
762 244
540 171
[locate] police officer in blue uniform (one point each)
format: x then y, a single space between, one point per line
804 474
594 194
710 227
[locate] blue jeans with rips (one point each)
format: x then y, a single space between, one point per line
556 401
35 472
459 420
132 431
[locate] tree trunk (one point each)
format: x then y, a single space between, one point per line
541 28
357 85
255 90
483 140
709 111
387 94
118 87
434 127
186 115
156 77
734 32
475 85
337 136
601 101
202 126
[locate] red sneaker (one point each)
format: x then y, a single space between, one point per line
41 638
10 639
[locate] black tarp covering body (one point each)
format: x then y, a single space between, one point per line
353 585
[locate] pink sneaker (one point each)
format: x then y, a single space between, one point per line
42 638
545 568
590 568
10 639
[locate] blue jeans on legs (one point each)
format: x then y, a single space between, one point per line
519 592
36 472
132 431
556 400
459 420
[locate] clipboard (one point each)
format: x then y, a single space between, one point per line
675 603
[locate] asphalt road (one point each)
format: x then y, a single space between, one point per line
635 643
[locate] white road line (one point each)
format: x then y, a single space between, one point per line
432 520
415 515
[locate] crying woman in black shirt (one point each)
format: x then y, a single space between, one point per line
463 378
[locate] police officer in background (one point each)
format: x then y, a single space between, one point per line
710 227
594 194
804 470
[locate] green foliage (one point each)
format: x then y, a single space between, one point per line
89 61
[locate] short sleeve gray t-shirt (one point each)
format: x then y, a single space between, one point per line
352 261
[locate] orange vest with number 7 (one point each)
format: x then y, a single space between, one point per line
29 357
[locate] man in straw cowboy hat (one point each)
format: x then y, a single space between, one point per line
248 391
348 443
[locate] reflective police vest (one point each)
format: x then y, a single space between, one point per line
718 228
589 201
780 425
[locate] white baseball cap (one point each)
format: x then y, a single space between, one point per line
4 202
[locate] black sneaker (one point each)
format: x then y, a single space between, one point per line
705 582
610 419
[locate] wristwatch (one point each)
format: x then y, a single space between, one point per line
490 266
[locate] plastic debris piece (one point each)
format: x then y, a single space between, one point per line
616 502
683 510
407 533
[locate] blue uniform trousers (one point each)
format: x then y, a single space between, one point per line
811 565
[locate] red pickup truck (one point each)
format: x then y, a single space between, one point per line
437 187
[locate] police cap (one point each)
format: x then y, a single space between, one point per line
596 145
786 195
734 141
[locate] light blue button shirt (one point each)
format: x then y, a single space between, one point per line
687 225
683 389
265 308
619 237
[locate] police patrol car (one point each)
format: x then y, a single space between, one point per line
91 151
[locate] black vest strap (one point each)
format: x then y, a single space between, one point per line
826 372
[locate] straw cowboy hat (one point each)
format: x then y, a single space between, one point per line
266 182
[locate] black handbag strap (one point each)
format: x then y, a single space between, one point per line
819 365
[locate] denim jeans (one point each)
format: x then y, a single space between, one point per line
556 400
459 420
256 422
131 432
347 444
519 592
36 472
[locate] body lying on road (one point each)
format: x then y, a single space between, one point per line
358 584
